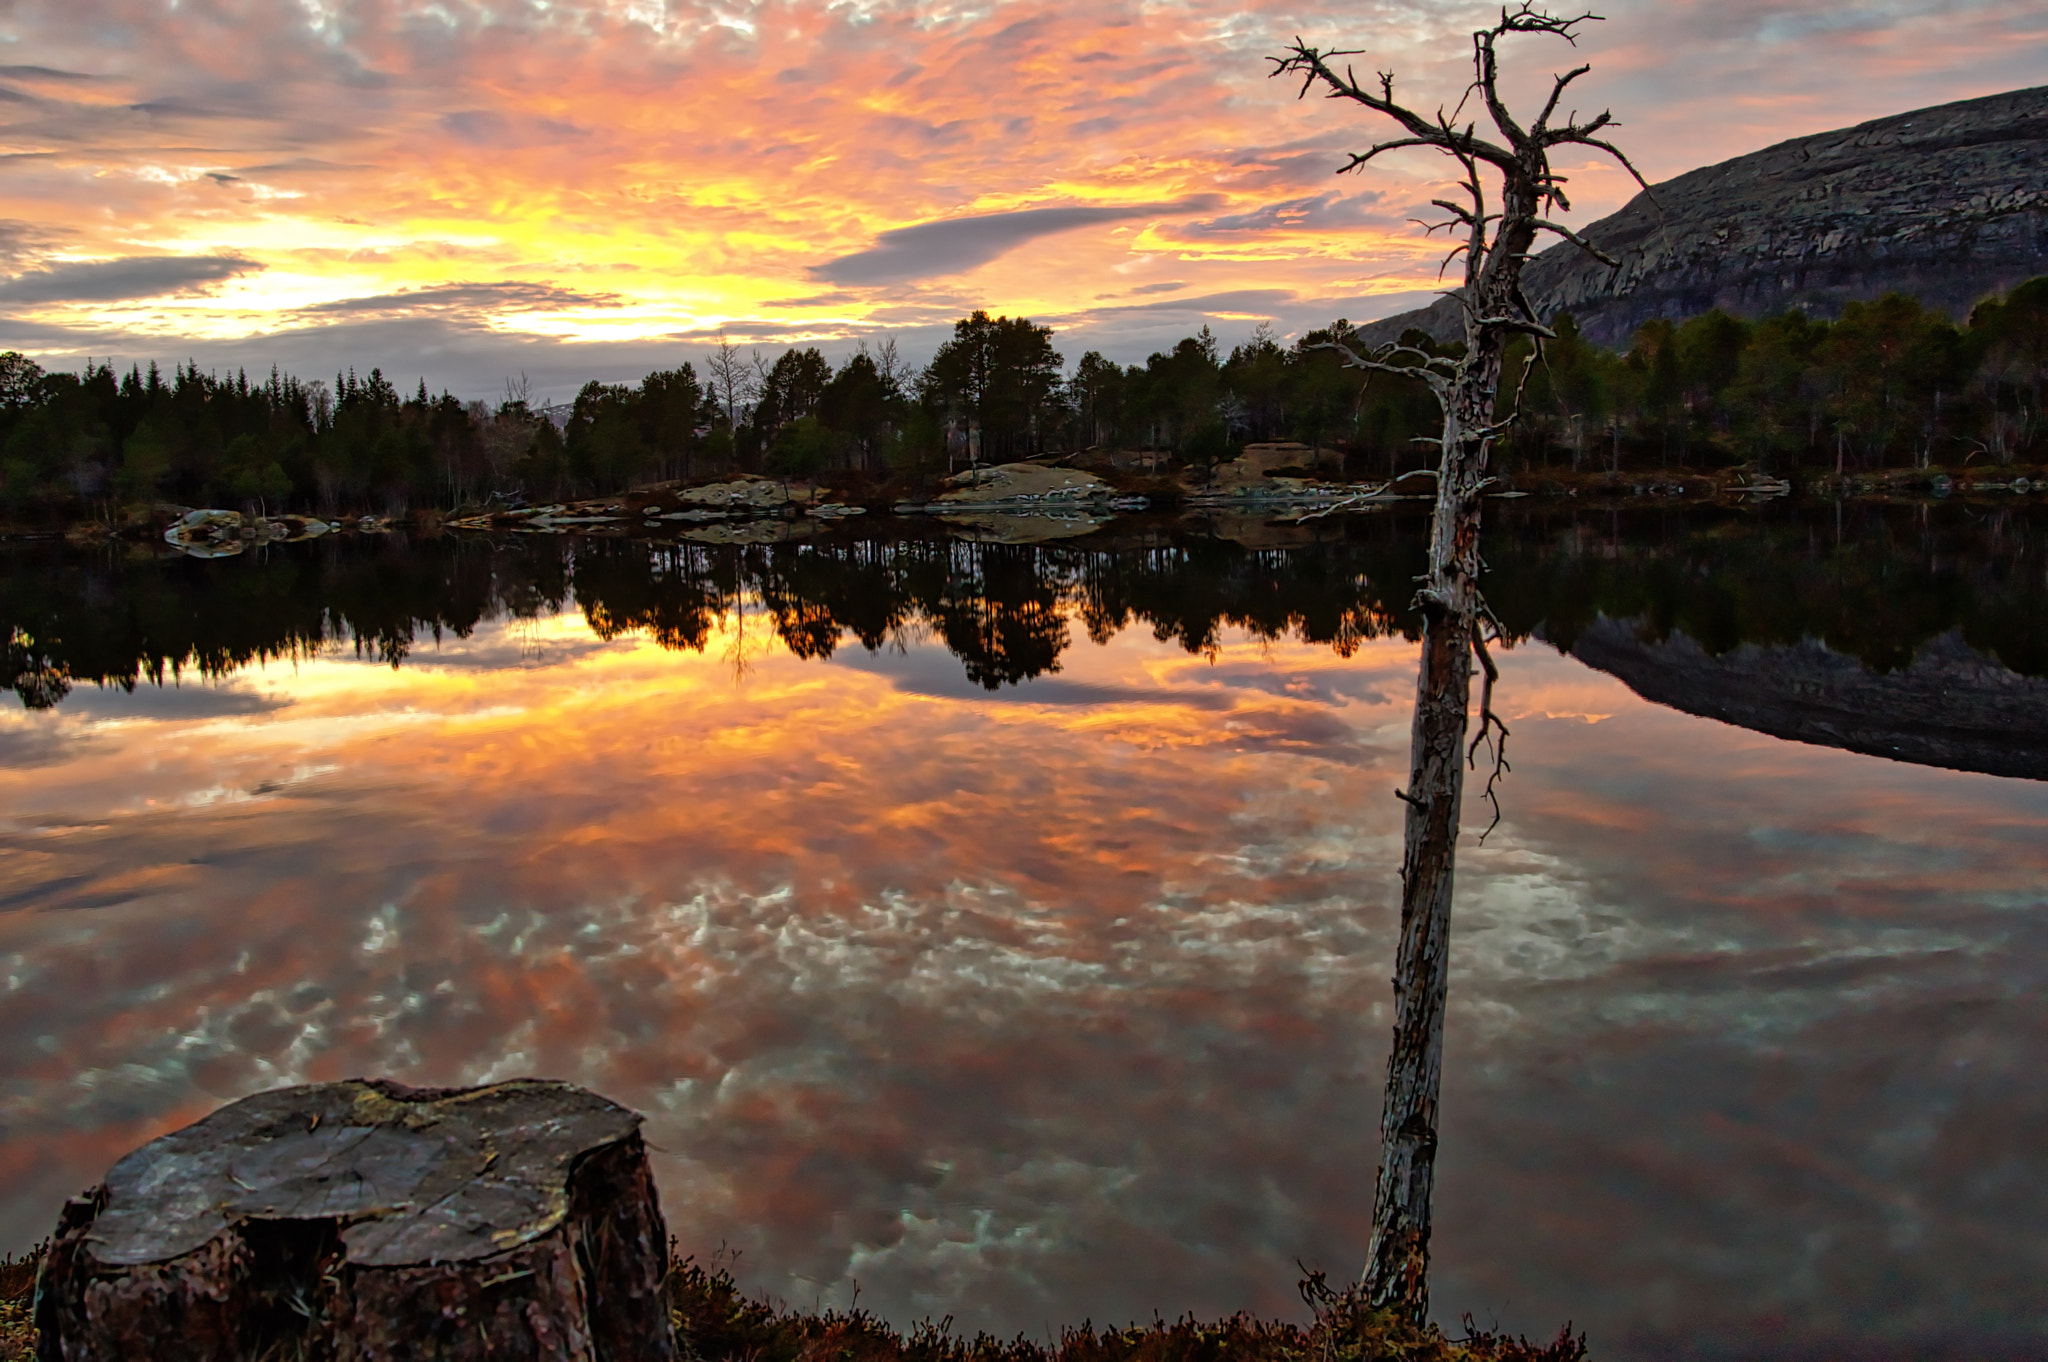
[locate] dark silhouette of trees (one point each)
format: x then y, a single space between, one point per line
1096 394
673 406
617 435
1887 385
1257 378
790 389
997 379
2007 353
864 404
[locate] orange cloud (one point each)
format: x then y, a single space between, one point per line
699 165
1059 1001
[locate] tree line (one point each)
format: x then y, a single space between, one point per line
1889 384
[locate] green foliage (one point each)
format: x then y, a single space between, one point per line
802 448
1888 384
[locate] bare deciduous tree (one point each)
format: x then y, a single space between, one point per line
732 380
1495 234
893 368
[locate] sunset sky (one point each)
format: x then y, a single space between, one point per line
578 189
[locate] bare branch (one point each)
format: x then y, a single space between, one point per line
1313 65
1439 384
1486 78
1519 325
1489 721
1542 122
1545 225
1522 383
1529 19
1359 158
1526 325
1573 128
1618 154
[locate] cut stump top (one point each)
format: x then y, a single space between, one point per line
413 1175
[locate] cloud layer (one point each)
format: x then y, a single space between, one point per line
954 246
113 281
700 165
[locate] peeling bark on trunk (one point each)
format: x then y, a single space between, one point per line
367 1220
1397 1271
1495 243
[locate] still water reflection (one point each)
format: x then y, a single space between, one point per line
1005 930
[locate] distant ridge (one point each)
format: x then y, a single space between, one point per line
1946 204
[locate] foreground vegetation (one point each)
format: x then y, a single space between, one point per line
716 1321
1888 385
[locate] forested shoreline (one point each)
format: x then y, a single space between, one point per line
1888 385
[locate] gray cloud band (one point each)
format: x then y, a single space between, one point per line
928 250
113 281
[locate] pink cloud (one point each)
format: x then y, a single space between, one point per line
712 159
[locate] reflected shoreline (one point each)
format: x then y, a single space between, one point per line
1783 621
1951 707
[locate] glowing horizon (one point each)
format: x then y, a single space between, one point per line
465 189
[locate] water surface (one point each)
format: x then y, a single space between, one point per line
1005 931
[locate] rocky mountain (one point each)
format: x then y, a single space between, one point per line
1952 707
1945 204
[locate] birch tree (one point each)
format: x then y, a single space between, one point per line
1506 189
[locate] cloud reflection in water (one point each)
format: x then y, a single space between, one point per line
1071 1000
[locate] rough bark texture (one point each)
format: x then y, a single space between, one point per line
1398 1260
367 1220
1495 235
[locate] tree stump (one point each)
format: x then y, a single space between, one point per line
369 1220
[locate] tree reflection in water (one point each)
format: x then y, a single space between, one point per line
1880 590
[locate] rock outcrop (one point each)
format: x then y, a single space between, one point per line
1947 204
1953 707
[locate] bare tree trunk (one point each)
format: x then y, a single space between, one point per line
1398 1259
1496 242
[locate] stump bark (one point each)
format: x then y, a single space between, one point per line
369 1220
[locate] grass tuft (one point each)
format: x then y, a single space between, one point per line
716 1322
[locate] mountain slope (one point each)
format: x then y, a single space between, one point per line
1945 204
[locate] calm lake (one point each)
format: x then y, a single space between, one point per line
1004 930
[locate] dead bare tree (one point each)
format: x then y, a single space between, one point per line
732 380
891 366
1495 234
